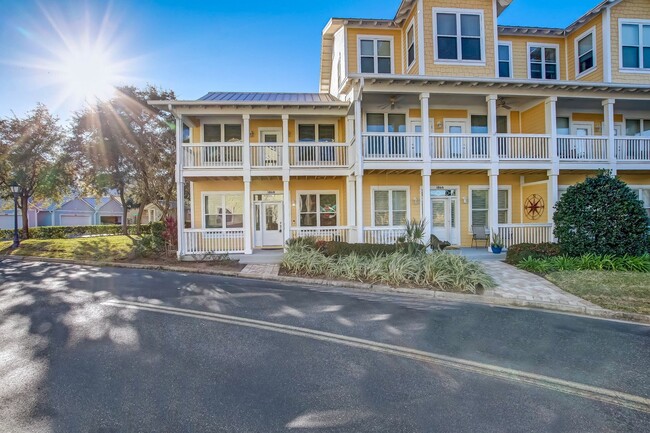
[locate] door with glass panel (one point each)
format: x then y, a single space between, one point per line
578 148
416 127
444 215
268 155
272 225
454 148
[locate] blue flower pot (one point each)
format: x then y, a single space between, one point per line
497 250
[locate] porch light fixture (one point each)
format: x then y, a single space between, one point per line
15 190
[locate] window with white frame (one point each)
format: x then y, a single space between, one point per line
410 45
634 127
187 134
505 60
339 69
635 44
390 207
375 56
321 133
479 206
644 196
222 133
563 125
459 35
586 52
223 210
543 62
318 209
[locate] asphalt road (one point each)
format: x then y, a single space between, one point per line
113 350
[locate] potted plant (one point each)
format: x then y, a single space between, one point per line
496 243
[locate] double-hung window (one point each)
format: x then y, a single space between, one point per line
635 127
223 210
318 209
410 45
319 133
222 133
586 52
375 56
458 35
479 203
378 145
543 62
390 207
635 44
505 60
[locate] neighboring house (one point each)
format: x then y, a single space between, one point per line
82 211
7 218
152 213
438 114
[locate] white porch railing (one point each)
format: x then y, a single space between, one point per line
587 148
513 234
460 146
338 234
318 154
392 146
523 146
382 235
213 155
633 149
264 155
217 241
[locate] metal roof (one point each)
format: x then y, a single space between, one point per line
259 97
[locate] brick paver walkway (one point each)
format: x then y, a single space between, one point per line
513 283
260 270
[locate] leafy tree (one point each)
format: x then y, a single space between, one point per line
601 215
30 149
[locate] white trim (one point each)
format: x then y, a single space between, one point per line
471 188
420 33
446 121
222 123
376 38
224 193
316 124
591 32
456 198
582 124
318 193
495 41
607 46
272 130
390 203
557 58
458 13
409 66
640 23
386 114
510 61
192 225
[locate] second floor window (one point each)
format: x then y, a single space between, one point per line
187 134
410 46
375 56
459 36
543 63
505 60
635 45
585 52
222 133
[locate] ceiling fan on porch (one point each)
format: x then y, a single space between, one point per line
393 102
502 103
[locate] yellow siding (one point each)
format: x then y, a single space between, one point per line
533 120
439 115
413 181
520 53
541 189
353 49
460 70
596 118
634 9
597 74
515 122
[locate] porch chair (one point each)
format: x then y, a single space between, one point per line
438 245
480 233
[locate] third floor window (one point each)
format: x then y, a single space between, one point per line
458 36
635 45
375 56
543 62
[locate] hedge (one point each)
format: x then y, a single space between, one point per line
519 252
341 249
60 232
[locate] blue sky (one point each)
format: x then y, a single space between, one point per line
195 46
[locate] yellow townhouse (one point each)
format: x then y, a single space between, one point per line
438 114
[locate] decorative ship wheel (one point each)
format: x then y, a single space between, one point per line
534 207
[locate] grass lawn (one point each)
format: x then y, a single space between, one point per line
621 291
109 248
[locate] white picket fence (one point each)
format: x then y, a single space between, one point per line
218 241
513 234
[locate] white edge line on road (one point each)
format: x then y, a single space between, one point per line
567 387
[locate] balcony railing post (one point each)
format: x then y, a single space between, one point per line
608 108
492 129
246 151
425 147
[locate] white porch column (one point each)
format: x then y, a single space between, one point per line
358 139
180 188
424 120
426 203
609 132
248 212
285 144
349 137
359 209
286 201
493 203
492 127
246 156
553 194
351 204
551 128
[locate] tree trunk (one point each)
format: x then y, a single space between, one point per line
125 212
24 207
138 229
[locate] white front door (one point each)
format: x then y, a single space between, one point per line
444 219
579 147
269 156
455 146
271 225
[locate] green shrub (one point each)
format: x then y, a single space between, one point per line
303 242
601 215
588 262
62 232
519 252
331 249
152 240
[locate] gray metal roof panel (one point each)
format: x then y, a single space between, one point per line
269 97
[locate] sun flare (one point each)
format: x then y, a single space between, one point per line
88 74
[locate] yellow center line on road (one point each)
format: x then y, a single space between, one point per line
604 395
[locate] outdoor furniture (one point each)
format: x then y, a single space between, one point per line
437 244
479 234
